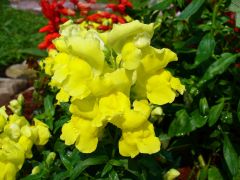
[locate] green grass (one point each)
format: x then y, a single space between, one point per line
19 35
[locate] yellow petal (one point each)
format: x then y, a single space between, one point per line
149 145
80 73
60 69
86 45
114 105
141 140
86 144
119 80
134 31
88 134
126 149
159 90
131 56
26 145
8 171
69 133
62 96
3 117
86 108
12 152
176 85
156 59
43 133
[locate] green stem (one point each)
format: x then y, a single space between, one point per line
215 11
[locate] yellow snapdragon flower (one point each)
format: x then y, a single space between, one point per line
112 77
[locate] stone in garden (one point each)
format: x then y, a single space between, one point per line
9 87
20 71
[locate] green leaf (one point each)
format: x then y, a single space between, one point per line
197 120
108 167
205 50
183 123
191 9
203 106
218 67
203 173
161 6
61 175
214 174
82 165
113 175
237 176
65 161
120 162
230 156
215 113
151 164
49 106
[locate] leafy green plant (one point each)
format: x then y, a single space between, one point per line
19 35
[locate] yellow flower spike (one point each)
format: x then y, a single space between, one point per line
99 87
43 133
8 171
3 117
159 88
142 140
134 31
26 145
156 59
131 56
80 72
81 132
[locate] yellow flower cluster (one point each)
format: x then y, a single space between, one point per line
100 72
17 137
